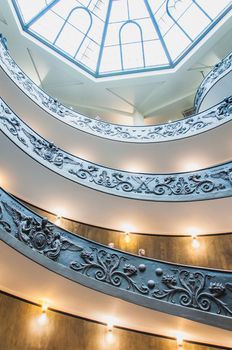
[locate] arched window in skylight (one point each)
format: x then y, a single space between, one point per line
75 28
131 45
184 14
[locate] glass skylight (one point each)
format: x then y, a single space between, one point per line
108 37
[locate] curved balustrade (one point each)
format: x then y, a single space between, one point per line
214 182
139 134
195 293
218 72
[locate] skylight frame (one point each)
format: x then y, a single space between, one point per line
96 73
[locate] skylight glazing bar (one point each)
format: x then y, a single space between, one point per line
155 24
66 21
176 22
104 37
141 41
40 14
202 10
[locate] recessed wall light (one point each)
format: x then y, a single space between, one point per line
127 237
44 307
179 340
195 242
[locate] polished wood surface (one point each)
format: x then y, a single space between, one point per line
215 251
24 327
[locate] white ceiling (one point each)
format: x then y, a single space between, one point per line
157 96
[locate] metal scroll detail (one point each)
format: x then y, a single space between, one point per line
195 289
209 183
108 267
38 234
189 287
220 69
164 132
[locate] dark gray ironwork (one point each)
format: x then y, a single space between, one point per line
219 70
199 294
215 182
142 134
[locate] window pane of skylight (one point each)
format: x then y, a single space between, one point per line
48 26
112 36
81 19
96 30
130 32
137 10
74 39
30 8
88 54
177 8
214 7
111 60
154 53
84 3
176 42
132 56
99 8
63 8
190 25
149 32
119 11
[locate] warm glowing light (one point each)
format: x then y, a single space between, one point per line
169 121
127 237
42 319
60 212
191 166
127 228
111 245
134 168
44 307
179 339
110 321
2 181
195 243
193 231
110 326
109 337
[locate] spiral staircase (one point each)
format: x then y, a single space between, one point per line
120 230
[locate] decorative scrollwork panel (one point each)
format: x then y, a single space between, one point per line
219 70
188 287
209 183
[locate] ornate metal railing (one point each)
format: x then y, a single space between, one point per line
199 294
214 182
143 134
218 72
